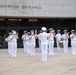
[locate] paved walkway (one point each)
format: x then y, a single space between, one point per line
60 64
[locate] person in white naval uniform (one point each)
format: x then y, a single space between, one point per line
58 39
28 43
8 39
74 44
24 40
32 41
14 38
65 38
43 37
39 42
51 42
72 40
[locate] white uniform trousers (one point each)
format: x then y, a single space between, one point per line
44 51
24 45
74 47
39 46
51 47
14 49
65 44
28 47
9 48
58 46
32 48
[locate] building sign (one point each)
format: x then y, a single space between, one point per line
9 6
38 8
31 7
17 6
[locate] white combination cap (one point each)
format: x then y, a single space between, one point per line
28 33
65 30
58 30
32 31
43 28
14 32
25 31
72 30
52 30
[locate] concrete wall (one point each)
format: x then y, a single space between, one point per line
38 8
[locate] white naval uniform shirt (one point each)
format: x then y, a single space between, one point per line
74 39
71 37
27 38
58 37
9 44
51 37
43 37
23 37
64 36
14 38
32 38
9 38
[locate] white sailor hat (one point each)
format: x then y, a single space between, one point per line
14 32
50 29
32 31
28 33
43 29
58 30
72 30
65 31
25 31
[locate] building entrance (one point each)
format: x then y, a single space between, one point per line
21 24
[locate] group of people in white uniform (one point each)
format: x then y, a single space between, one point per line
12 43
29 43
46 42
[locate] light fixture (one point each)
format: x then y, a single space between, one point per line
33 20
12 19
